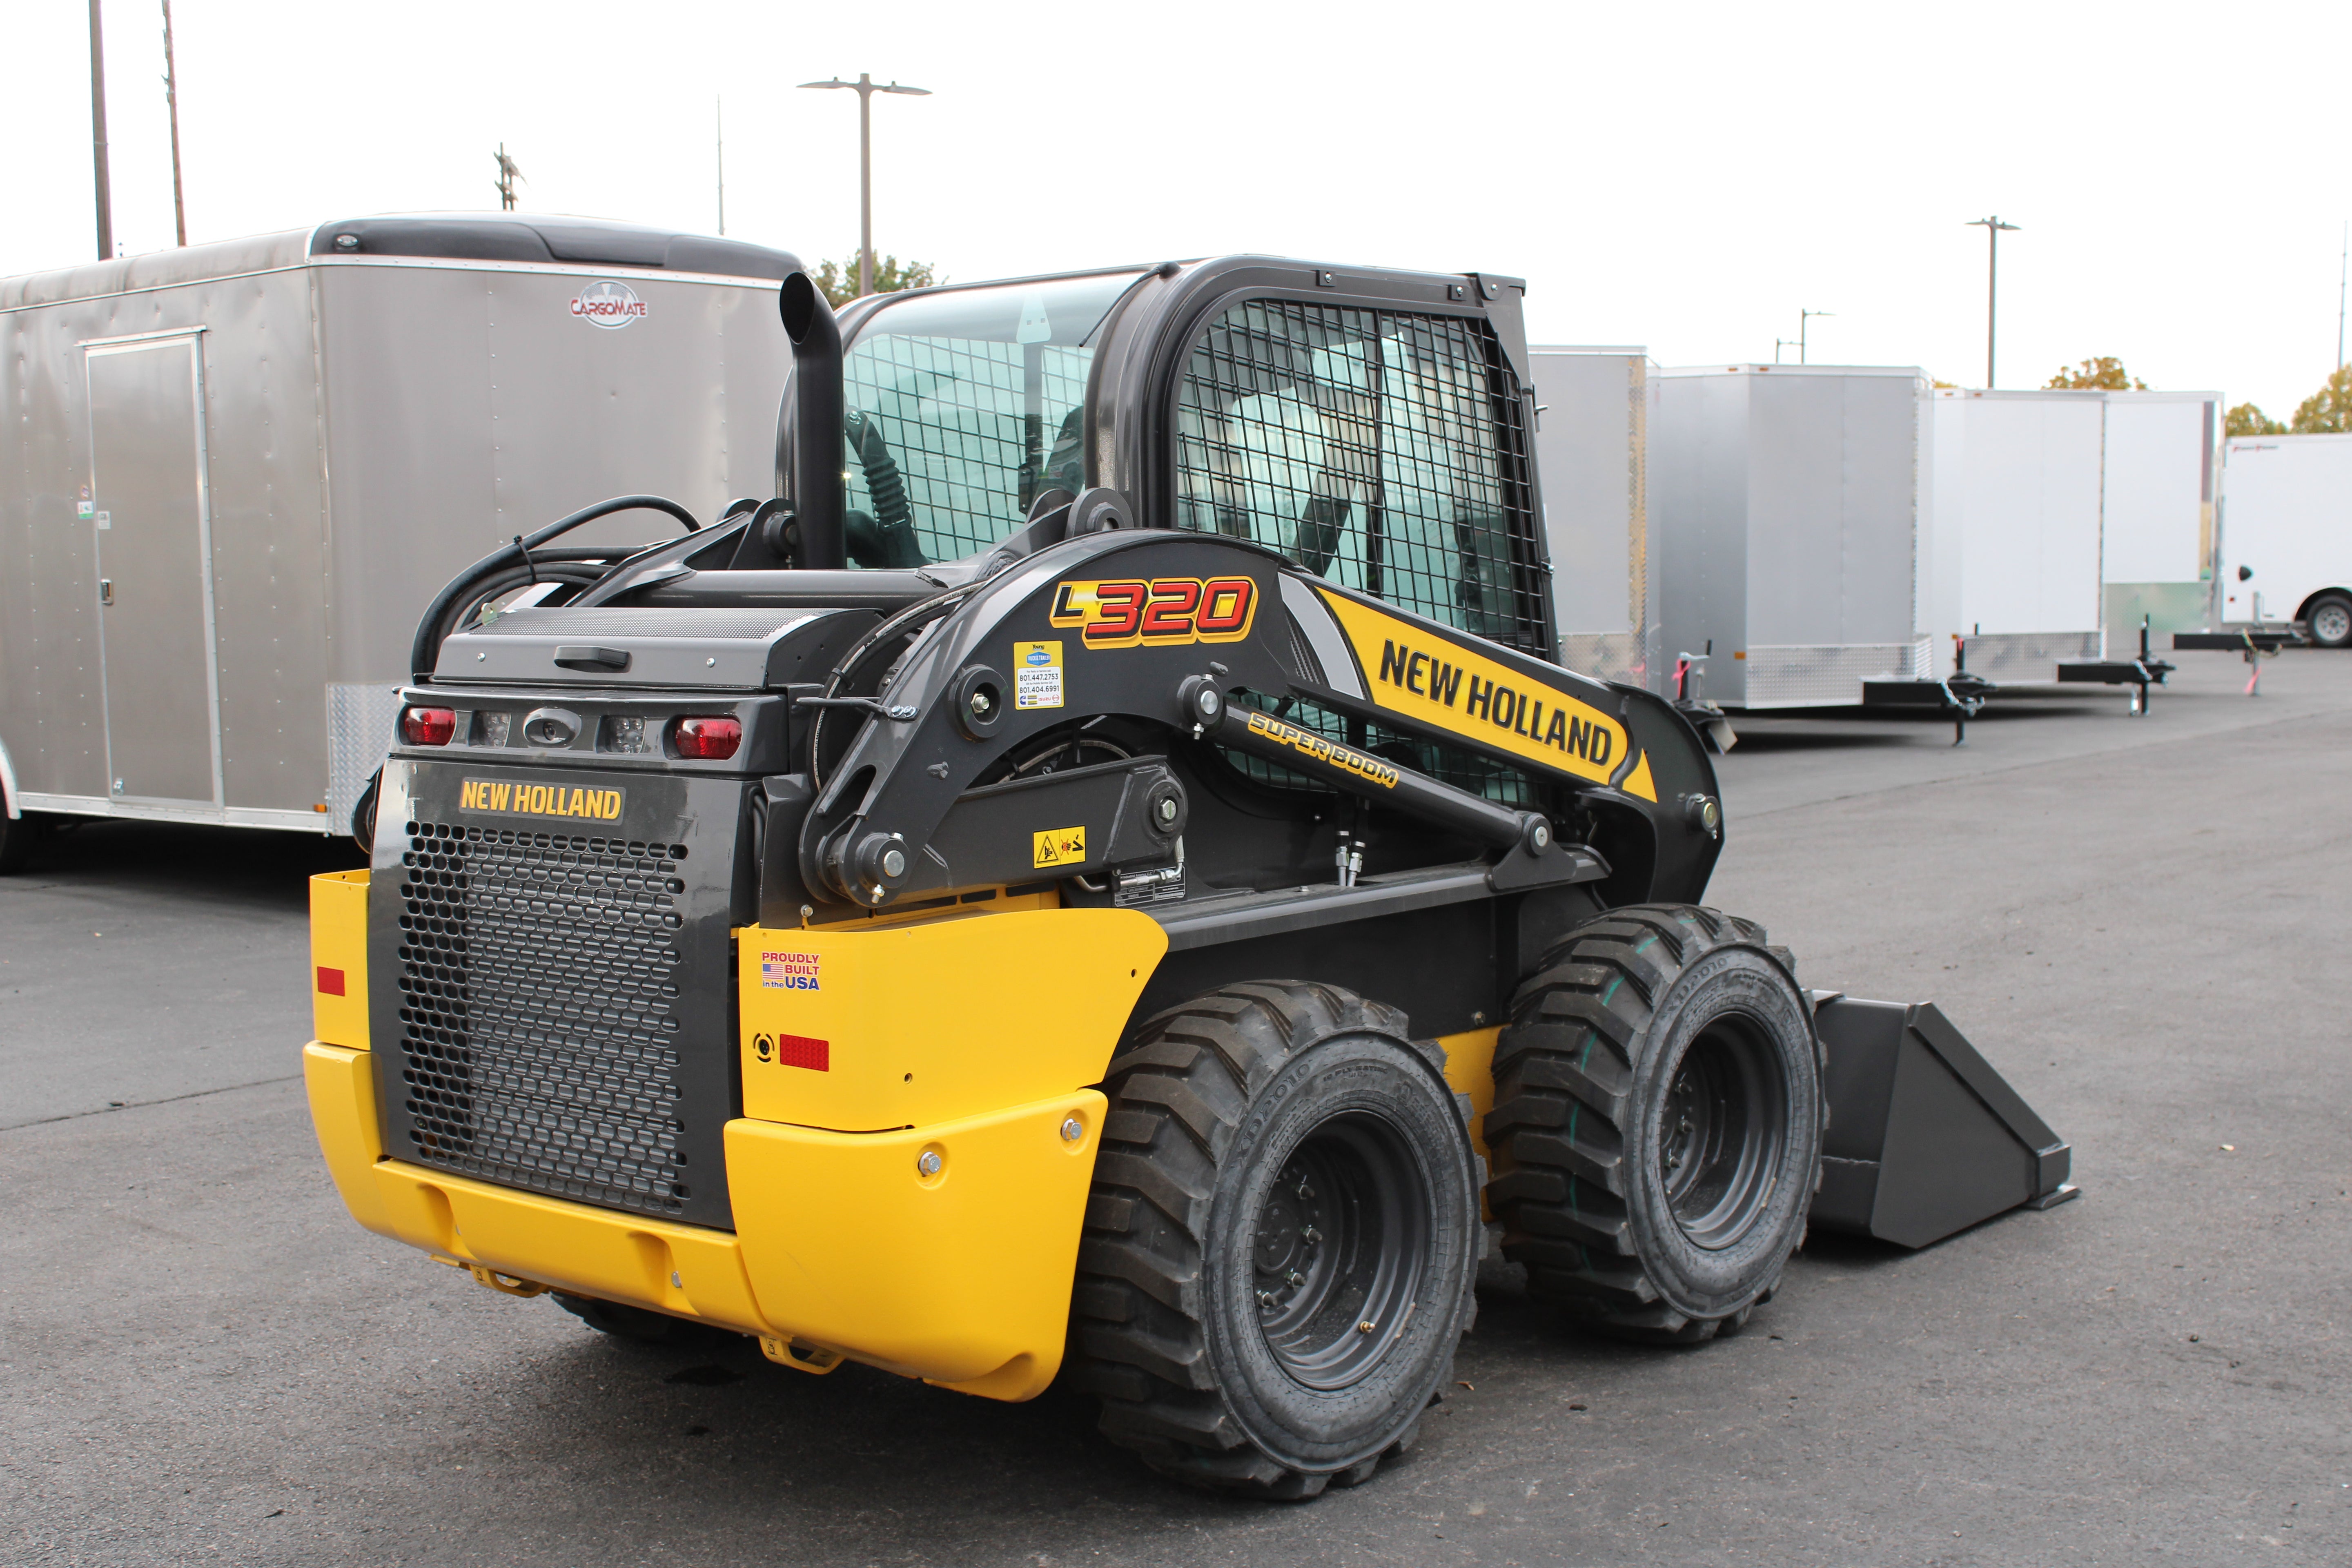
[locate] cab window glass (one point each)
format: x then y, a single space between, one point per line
962 407
1373 447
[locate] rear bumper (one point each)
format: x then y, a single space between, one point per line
841 1241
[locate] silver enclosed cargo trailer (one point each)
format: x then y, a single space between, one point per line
1591 441
1787 502
234 475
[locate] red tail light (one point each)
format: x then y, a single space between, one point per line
427 726
706 739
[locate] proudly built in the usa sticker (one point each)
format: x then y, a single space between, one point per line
788 971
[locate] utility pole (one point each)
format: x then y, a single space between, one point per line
719 119
866 88
507 174
97 135
172 100
1804 318
1994 228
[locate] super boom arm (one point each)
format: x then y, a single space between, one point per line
1161 632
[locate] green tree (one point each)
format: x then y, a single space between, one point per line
2328 411
2246 419
2105 373
839 281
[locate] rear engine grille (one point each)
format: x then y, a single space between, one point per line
538 977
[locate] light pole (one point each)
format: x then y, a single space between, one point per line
1994 228
1804 317
97 135
865 86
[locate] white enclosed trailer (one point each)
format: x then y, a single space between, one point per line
2013 561
1788 511
2160 463
2286 533
233 476
1591 436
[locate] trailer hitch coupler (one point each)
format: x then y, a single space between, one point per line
816 424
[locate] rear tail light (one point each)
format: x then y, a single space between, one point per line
427 726
706 739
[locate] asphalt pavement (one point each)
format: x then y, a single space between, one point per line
2141 921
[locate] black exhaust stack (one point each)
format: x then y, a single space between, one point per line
816 424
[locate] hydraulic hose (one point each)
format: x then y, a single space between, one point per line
424 652
881 638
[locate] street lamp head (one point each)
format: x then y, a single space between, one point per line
913 91
1990 223
835 82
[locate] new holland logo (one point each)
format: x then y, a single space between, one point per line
509 799
607 303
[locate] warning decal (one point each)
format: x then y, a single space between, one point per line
1062 847
1036 675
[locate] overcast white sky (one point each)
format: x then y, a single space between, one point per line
1685 177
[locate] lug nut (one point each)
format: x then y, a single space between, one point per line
928 1163
1073 1130
1294 1278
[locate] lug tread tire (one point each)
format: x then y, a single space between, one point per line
1178 1095
1564 1070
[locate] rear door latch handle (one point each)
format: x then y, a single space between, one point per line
106 590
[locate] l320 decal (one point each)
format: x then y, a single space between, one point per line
1138 612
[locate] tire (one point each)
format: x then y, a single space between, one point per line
632 1323
1657 1122
1281 1164
2330 621
19 836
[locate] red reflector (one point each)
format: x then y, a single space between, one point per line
331 981
706 739
800 1051
427 726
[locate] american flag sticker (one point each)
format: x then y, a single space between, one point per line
788 971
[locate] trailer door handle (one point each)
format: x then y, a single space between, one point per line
106 590
592 658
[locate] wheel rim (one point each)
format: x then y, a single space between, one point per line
1721 1133
2332 623
1341 1243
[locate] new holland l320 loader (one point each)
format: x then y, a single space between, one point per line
1104 877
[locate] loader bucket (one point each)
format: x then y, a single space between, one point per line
1925 1139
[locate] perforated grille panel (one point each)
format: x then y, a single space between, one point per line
539 1035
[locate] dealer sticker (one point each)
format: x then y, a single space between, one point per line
1036 675
788 971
